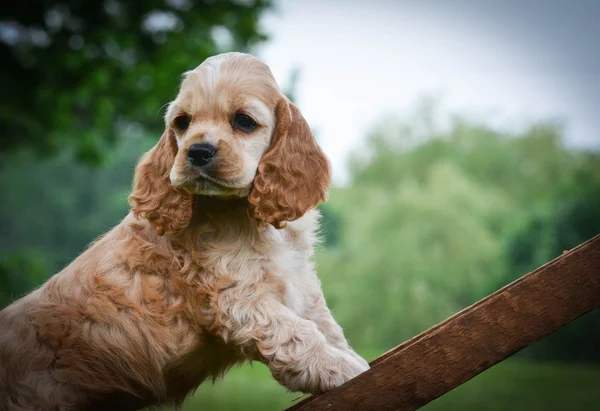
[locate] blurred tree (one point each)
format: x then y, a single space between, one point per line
80 73
436 218
548 231
54 208
419 252
20 273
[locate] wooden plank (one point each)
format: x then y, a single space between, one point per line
454 351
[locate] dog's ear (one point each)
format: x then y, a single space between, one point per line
293 175
154 197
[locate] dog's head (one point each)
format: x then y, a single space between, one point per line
231 133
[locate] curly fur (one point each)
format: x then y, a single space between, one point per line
188 284
154 198
293 176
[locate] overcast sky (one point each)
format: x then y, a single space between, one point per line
511 61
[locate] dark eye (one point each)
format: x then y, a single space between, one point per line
244 122
182 122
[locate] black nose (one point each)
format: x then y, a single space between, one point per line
201 154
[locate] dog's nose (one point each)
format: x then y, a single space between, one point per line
201 154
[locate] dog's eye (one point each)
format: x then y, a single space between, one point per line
244 122
182 122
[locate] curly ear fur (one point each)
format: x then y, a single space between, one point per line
154 197
293 175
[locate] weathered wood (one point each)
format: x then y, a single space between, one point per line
454 351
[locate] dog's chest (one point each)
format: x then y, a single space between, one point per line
271 260
290 263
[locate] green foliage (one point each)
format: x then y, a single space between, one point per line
20 273
400 247
80 73
54 208
429 225
571 219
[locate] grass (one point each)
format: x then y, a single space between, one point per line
246 388
518 385
511 385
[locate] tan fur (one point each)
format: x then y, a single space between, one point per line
197 278
154 197
293 175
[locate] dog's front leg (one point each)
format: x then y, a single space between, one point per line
297 353
321 315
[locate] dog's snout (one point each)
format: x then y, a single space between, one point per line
201 154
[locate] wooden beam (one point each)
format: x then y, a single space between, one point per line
454 351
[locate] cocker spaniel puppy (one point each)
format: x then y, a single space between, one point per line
212 267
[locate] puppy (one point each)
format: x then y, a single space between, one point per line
212 267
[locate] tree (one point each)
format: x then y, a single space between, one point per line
54 208
434 219
81 73
547 232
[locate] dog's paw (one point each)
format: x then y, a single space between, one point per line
364 364
320 371
340 368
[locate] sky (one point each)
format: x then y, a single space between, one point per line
510 62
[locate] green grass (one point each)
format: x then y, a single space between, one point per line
246 388
518 385
512 385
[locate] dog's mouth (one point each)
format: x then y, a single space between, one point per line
215 181
211 186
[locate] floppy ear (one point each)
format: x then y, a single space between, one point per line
154 197
293 175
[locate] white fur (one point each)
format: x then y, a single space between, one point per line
296 335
